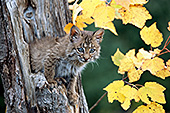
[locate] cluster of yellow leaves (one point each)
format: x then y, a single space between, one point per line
125 93
150 108
135 65
103 13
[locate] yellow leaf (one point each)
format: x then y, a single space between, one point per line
153 65
133 2
156 108
152 90
150 108
113 91
126 64
89 7
118 56
168 65
68 27
129 93
124 3
134 75
163 73
136 15
142 109
143 54
80 22
108 25
107 15
151 35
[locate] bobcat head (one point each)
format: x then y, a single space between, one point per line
86 44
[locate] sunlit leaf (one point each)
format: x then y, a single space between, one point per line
124 3
134 74
151 35
136 15
89 7
113 91
150 108
118 56
163 73
152 90
129 93
107 15
153 65
108 25
143 54
133 2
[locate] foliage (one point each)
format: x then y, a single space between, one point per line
131 65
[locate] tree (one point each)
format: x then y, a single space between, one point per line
24 91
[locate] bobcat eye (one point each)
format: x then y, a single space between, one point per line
80 50
92 50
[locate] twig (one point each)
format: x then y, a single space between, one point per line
97 102
131 84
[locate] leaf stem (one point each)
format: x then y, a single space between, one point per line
97 102
164 48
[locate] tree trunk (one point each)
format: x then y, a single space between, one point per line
25 92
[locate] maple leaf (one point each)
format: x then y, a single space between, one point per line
151 35
152 65
108 25
150 108
126 64
89 6
113 91
129 93
133 2
152 90
143 54
104 19
124 3
136 15
81 20
118 56
134 74
163 73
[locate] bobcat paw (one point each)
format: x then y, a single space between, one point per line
73 97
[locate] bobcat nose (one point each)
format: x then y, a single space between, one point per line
86 57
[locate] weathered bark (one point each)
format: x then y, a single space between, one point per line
21 21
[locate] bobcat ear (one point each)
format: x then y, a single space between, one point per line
99 35
74 33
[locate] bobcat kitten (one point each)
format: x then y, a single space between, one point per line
65 56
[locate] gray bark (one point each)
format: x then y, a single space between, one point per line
21 21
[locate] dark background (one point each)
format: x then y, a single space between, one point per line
98 75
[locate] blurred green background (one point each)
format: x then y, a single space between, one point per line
98 75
